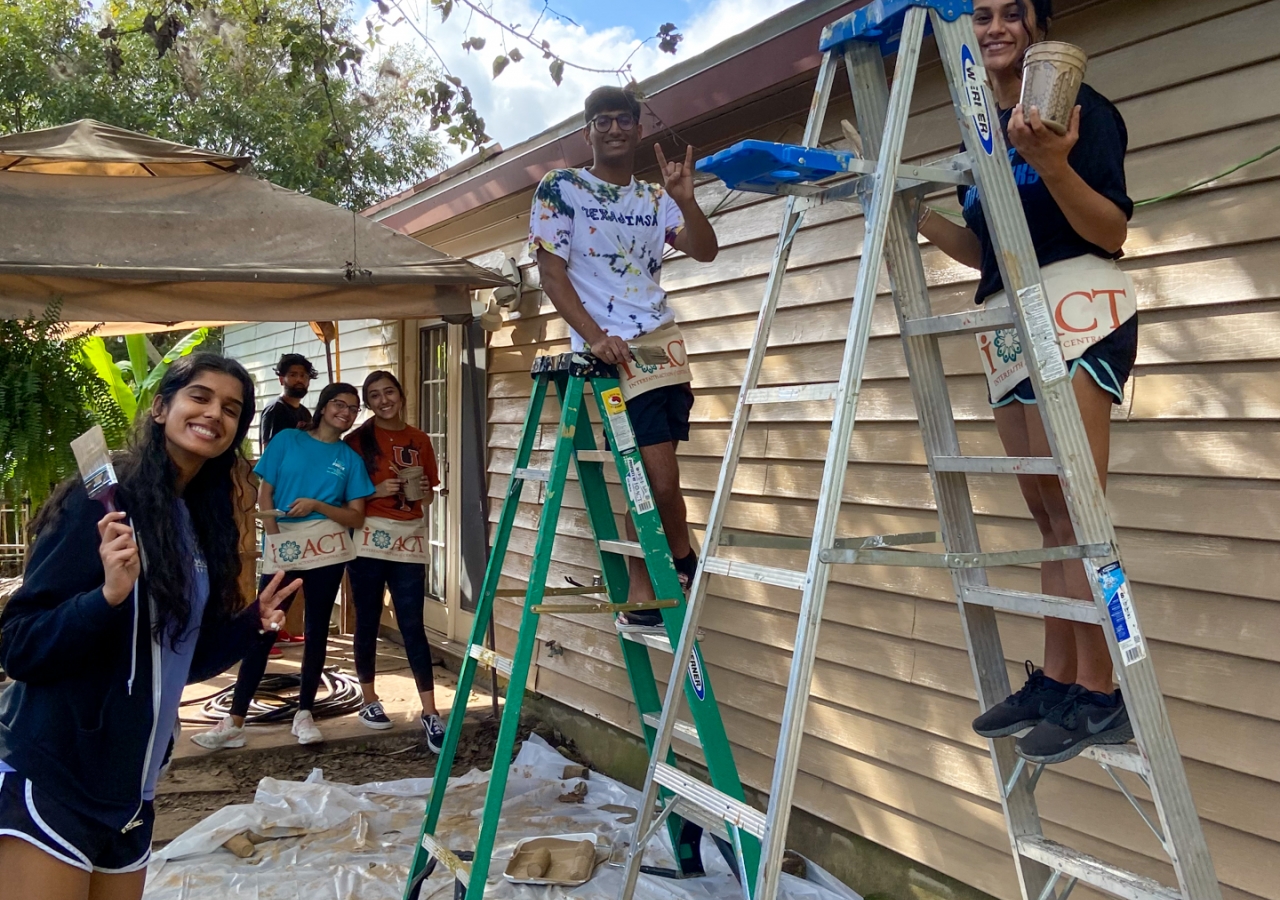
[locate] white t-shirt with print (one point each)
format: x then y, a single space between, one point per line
613 239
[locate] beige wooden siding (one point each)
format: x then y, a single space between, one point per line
1194 486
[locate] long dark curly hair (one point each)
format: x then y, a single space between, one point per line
148 491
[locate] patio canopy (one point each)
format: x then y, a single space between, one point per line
123 227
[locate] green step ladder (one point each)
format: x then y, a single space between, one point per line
576 441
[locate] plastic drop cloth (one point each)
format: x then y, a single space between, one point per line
344 842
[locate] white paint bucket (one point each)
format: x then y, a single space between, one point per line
1052 72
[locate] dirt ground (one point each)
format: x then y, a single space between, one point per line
196 787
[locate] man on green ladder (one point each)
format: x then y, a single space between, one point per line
599 236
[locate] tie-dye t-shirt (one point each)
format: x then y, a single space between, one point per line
612 239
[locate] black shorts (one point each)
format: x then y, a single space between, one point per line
661 415
1109 362
29 814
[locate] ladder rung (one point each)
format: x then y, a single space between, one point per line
576 590
1094 871
623 548
447 858
716 803
653 641
604 606
997 465
1044 605
525 474
1119 756
487 657
683 730
983 319
796 393
733 568
600 456
912 559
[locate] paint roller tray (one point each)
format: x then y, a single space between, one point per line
760 165
564 859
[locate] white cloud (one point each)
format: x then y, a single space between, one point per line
524 100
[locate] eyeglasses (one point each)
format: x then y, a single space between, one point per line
340 406
603 124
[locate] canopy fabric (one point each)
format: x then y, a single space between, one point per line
217 247
90 147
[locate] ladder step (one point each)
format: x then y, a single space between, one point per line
793 393
983 319
734 568
912 559
600 456
487 657
716 803
997 465
683 730
622 548
531 474
653 641
447 858
1044 605
1119 756
1093 871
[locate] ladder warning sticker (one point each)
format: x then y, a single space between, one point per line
1042 334
619 422
974 101
638 487
696 681
1120 608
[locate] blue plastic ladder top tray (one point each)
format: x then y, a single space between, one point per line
764 166
881 21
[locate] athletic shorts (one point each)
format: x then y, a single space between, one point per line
29 814
661 415
1108 362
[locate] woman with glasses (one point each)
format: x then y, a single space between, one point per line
391 549
316 485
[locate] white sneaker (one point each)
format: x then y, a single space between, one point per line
304 728
224 734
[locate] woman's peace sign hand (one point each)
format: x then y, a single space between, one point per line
270 599
677 177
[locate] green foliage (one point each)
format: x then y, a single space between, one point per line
132 382
244 77
48 397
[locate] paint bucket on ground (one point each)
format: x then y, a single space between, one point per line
1052 72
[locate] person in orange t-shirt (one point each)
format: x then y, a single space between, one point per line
391 549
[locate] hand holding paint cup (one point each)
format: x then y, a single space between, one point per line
1052 72
411 477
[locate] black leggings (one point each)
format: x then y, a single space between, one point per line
407 583
320 589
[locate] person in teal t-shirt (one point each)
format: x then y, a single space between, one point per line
308 475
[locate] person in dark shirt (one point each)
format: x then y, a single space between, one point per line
287 412
1072 188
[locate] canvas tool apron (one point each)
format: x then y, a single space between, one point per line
395 540
1089 297
637 379
307 545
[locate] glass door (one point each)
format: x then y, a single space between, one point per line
434 419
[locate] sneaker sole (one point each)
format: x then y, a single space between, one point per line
1121 735
377 726
434 749
310 740
227 745
1008 729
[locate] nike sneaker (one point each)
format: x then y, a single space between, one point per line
1081 720
1027 707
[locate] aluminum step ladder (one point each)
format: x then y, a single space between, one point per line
570 373
890 193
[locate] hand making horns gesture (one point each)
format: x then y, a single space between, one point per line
270 599
677 177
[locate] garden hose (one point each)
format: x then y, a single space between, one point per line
276 699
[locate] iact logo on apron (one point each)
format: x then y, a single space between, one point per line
636 379
307 545
393 539
1089 297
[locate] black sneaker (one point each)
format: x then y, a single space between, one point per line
1027 707
1083 719
641 621
433 730
374 716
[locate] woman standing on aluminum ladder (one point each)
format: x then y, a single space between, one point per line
391 550
100 644
321 486
1073 192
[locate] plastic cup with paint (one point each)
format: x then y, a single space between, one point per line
1052 72
411 476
